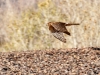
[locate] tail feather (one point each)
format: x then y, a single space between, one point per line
69 24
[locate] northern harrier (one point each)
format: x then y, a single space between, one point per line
58 28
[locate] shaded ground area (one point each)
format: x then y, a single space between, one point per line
73 61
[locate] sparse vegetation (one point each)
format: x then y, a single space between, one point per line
28 31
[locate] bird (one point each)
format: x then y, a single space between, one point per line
58 28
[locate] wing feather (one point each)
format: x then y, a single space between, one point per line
59 35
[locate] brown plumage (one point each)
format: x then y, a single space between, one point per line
58 28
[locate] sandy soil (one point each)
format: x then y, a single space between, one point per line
85 61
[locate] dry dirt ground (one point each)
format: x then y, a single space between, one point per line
74 61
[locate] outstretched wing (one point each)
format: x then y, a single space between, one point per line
59 35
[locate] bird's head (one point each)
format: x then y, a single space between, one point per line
50 23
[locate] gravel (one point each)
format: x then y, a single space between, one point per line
73 61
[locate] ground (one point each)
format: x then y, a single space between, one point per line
73 61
